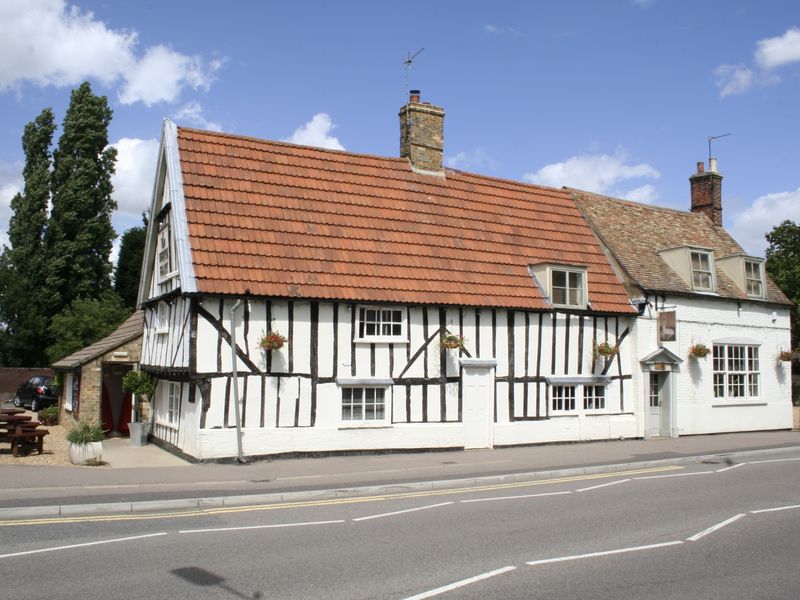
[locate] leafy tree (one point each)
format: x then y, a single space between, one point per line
79 234
23 294
129 264
783 266
84 322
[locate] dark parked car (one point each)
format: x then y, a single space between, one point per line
36 393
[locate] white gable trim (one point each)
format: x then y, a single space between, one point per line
180 228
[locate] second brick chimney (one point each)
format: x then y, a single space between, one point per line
707 192
422 134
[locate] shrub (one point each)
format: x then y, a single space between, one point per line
85 431
48 416
139 383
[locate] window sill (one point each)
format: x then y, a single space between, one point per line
167 277
386 340
737 404
162 331
379 425
171 426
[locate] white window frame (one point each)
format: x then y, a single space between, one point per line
700 272
594 398
169 415
577 395
365 393
162 318
563 399
736 372
569 273
380 323
757 282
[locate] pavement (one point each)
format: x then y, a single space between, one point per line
149 479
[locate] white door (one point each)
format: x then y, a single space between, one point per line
478 408
657 405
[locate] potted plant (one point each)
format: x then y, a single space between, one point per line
85 442
605 350
142 386
785 356
698 351
272 341
451 341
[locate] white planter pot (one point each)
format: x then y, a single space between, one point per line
86 454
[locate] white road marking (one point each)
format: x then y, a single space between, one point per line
458 584
761 462
765 510
677 475
546 561
84 545
400 512
722 470
602 485
243 528
516 497
705 532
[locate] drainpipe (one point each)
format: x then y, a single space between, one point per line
239 455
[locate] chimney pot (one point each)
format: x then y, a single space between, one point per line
701 167
712 165
414 96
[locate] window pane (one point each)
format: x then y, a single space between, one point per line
559 279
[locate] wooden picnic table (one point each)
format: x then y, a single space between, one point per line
22 431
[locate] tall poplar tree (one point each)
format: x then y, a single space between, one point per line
23 293
79 233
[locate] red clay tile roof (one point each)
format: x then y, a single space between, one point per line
635 233
290 221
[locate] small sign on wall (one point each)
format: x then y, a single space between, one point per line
666 326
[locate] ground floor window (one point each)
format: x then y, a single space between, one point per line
173 402
363 404
565 398
736 372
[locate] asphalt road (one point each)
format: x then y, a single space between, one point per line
700 531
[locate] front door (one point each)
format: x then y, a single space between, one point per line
658 416
478 407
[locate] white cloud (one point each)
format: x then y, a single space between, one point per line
316 133
501 30
192 113
770 53
161 75
733 79
44 42
477 159
599 173
751 225
11 183
777 51
645 194
135 174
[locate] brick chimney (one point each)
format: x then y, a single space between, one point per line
422 135
707 191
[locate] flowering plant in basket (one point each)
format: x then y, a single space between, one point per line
785 356
272 341
698 351
605 349
450 341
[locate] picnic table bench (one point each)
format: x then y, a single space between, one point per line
22 432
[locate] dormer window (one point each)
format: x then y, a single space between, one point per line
381 324
702 275
567 287
164 258
754 278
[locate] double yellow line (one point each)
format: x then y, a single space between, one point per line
329 502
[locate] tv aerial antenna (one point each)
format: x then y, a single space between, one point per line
711 138
407 64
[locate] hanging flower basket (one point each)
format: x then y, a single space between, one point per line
272 341
785 356
698 351
605 350
450 341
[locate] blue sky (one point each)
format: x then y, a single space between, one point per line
613 96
